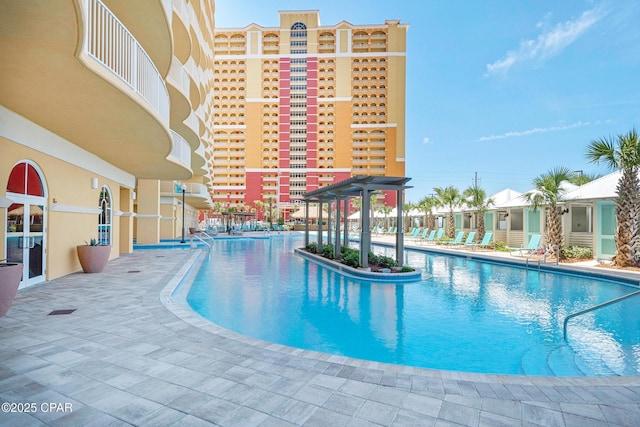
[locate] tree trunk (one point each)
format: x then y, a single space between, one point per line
626 237
481 226
554 227
451 226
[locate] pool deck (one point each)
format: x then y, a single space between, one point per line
131 355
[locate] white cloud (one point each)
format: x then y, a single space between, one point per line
426 140
515 134
549 43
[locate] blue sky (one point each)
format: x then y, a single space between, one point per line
506 88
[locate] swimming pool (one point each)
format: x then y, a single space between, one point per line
465 315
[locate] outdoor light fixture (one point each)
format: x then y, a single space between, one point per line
183 187
94 183
564 211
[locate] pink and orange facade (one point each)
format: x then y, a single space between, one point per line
302 106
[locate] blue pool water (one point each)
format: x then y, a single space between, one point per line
465 315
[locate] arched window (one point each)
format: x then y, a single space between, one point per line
105 217
25 179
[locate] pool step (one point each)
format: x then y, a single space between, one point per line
534 361
562 362
553 359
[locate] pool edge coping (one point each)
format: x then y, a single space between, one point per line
183 311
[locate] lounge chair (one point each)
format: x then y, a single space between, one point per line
427 238
437 236
423 235
532 246
467 241
457 240
484 244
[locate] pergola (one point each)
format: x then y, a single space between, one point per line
357 186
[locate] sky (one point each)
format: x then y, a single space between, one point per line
504 90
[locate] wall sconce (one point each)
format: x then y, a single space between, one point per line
133 195
506 215
94 183
564 211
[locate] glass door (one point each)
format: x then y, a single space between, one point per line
25 238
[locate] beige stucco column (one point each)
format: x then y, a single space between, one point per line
148 214
126 220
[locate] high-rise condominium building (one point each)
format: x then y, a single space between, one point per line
302 106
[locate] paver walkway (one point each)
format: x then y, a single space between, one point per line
130 355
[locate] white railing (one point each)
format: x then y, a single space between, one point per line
193 123
181 149
111 44
179 75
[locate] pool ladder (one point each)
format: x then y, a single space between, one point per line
197 236
549 249
595 307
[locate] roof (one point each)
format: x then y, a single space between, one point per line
601 188
353 186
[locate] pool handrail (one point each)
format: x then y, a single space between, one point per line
196 235
595 307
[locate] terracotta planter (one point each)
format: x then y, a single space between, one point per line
93 259
10 275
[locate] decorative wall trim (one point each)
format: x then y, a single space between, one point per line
57 207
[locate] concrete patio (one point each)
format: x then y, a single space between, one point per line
131 355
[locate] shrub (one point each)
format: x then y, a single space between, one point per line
406 269
387 262
576 252
501 246
373 258
351 257
327 251
312 247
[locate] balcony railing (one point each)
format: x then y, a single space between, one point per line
181 149
111 44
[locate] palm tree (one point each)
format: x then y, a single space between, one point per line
623 153
477 199
580 178
385 211
406 210
426 204
548 192
449 197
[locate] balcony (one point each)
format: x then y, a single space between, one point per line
196 194
95 84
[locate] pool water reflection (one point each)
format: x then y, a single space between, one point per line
467 316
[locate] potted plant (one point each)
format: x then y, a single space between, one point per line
93 256
10 276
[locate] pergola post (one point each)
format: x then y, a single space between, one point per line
365 233
400 232
346 218
319 248
336 248
329 223
306 223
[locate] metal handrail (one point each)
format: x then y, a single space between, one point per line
551 248
595 307
201 239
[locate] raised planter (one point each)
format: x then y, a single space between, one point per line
10 275
361 273
93 259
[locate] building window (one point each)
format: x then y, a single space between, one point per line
501 220
517 223
105 217
581 219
